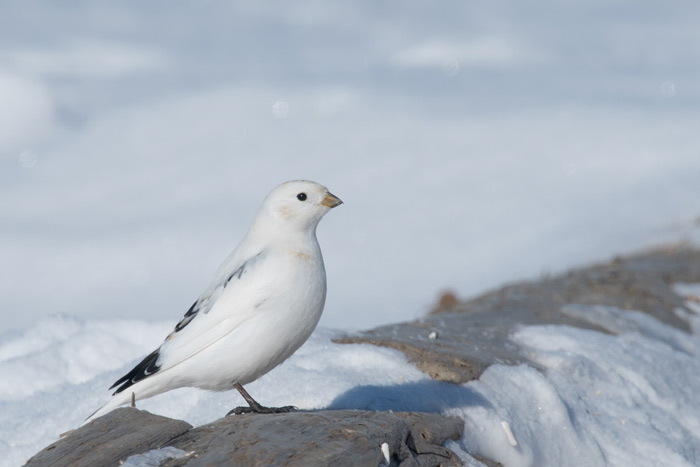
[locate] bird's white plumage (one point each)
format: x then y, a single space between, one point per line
261 306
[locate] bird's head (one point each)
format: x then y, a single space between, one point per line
298 205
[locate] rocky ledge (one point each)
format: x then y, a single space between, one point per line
331 437
459 340
455 343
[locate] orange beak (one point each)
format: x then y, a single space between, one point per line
331 200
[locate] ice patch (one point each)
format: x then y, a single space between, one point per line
154 457
466 458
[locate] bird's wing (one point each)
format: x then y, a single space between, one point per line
238 287
231 302
230 274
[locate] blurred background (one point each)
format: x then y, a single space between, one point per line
474 143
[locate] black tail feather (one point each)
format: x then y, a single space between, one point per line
147 367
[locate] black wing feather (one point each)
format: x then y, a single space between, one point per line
147 367
189 316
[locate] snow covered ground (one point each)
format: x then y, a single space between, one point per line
473 144
602 399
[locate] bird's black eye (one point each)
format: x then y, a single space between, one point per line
301 196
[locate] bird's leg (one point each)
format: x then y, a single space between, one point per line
254 407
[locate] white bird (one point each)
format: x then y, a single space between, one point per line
261 306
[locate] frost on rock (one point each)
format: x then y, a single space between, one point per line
154 457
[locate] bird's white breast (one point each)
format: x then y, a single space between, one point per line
289 294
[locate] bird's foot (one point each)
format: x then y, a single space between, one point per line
261 409
254 406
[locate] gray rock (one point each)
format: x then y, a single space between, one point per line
337 438
109 439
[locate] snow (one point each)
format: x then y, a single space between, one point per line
473 145
154 457
628 398
625 399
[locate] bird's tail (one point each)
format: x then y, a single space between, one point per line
116 401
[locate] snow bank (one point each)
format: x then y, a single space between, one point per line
601 399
